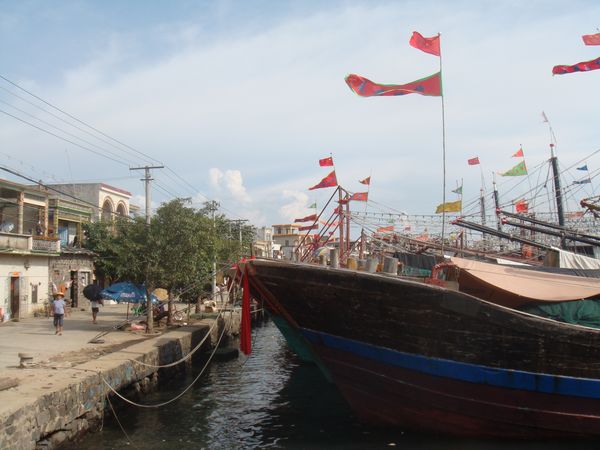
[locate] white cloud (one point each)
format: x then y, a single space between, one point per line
215 176
233 183
296 208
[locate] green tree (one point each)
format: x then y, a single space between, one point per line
175 251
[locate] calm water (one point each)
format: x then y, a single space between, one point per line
267 401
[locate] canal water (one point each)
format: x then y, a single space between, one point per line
269 400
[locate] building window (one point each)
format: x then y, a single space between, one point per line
34 293
287 243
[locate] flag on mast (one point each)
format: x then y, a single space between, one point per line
519 153
429 86
360 196
473 161
583 167
314 205
449 207
366 181
329 181
310 218
325 162
428 45
522 206
586 66
591 39
385 229
517 171
458 190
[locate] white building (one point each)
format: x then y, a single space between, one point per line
107 200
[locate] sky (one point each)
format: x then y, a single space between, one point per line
240 99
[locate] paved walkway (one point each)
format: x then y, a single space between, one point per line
36 336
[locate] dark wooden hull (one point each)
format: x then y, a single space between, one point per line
423 357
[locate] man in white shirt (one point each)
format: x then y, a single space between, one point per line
95 308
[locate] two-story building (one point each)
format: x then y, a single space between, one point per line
25 250
106 200
288 238
263 246
41 230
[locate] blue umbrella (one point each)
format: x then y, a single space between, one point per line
126 292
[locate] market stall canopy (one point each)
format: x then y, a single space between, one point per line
126 292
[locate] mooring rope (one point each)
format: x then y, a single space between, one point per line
130 441
158 405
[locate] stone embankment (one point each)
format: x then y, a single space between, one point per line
62 393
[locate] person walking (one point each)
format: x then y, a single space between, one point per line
95 308
58 306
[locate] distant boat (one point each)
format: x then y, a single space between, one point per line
424 357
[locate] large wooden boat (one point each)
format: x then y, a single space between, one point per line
424 357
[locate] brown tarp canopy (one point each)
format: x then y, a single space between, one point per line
514 287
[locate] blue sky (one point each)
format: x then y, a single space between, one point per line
240 99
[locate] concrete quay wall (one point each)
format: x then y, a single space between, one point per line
61 403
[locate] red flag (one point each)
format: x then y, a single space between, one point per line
518 154
310 218
309 227
431 86
360 196
522 206
385 229
585 66
366 181
329 181
591 39
245 334
326 162
473 161
428 45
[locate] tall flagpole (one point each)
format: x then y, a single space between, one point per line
443 149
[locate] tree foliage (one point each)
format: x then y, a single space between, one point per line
175 251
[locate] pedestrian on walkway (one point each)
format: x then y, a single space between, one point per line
58 306
95 308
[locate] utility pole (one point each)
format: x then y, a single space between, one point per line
147 179
240 223
212 206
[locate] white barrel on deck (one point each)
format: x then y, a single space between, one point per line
334 258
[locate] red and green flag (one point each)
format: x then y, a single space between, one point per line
517 171
429 86
329 181
586 66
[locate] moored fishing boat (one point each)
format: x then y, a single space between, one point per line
428 358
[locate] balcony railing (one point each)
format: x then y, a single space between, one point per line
23 243
45 244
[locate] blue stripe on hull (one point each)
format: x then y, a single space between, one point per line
493 376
